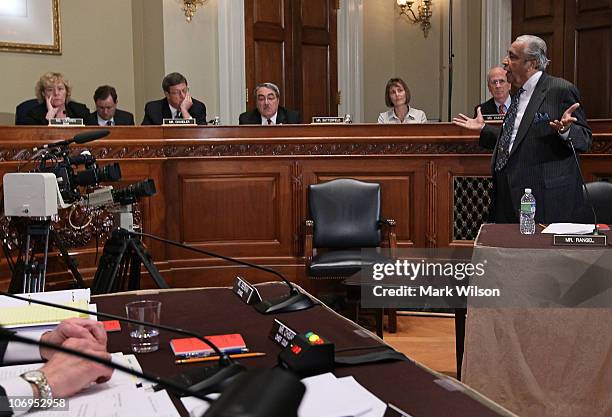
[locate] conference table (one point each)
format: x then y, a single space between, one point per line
546 349
217 310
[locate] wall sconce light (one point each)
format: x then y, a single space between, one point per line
423 10
190 7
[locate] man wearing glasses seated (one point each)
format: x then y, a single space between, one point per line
178 103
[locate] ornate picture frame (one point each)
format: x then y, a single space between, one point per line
30 26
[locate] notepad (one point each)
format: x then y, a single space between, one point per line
16 313
193 348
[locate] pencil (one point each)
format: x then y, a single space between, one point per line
215 358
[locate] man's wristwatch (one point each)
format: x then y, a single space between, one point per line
563 129
40 380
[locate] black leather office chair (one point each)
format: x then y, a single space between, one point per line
22 109
344 218
601 196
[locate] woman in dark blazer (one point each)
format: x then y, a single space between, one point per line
53 92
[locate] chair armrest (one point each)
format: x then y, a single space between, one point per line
389 234
308 230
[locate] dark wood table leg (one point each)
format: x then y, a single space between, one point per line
460 314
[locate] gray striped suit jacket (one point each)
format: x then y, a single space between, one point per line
539 158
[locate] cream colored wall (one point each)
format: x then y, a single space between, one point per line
191 49
394 47
97 49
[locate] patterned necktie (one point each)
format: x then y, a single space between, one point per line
269 121
503 147
178 115
502 109
109 123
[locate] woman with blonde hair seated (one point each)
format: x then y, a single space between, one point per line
397 96
53 93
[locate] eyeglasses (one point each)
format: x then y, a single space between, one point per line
497 82
178 92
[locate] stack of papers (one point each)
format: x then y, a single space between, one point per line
19 314
569 229
326 396
122 395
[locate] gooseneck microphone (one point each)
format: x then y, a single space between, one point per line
584 187
78 139
294 301
212 378
168 384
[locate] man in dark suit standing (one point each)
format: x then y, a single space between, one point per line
107 113
532 148
62 375
178 103
499 87
268 112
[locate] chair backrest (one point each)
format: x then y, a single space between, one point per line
22 109
346 213
601 195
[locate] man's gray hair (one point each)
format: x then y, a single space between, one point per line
271 86
535 49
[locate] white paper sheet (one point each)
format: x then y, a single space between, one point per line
569 228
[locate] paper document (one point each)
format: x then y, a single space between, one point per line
17 313
328 396
569 229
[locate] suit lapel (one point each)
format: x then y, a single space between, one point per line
281 116
538 96
166 113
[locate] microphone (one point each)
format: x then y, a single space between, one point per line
78 139
244 394
170 385
214 378
584 187
293 301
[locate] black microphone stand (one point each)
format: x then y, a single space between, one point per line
295 300
584 187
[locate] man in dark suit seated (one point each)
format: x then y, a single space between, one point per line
178 103
531 147
268 112
107 113
62 375
499 87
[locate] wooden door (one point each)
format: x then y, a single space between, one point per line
578 34
543 19
293 43
588 57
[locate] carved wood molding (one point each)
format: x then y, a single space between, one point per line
258 149
431 190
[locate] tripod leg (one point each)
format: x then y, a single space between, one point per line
146 260
106 274
68 260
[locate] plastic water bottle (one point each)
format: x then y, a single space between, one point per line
528 208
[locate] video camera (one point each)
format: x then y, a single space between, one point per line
56 159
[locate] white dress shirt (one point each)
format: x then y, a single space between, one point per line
264 120
413 116
18 352
529 86
102 122
506 104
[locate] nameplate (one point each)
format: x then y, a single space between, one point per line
179 122
327 120
247 293
493 117
66 122
282 334
580 240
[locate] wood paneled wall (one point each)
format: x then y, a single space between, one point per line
242 191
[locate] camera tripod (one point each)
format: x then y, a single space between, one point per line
119 266
28 274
